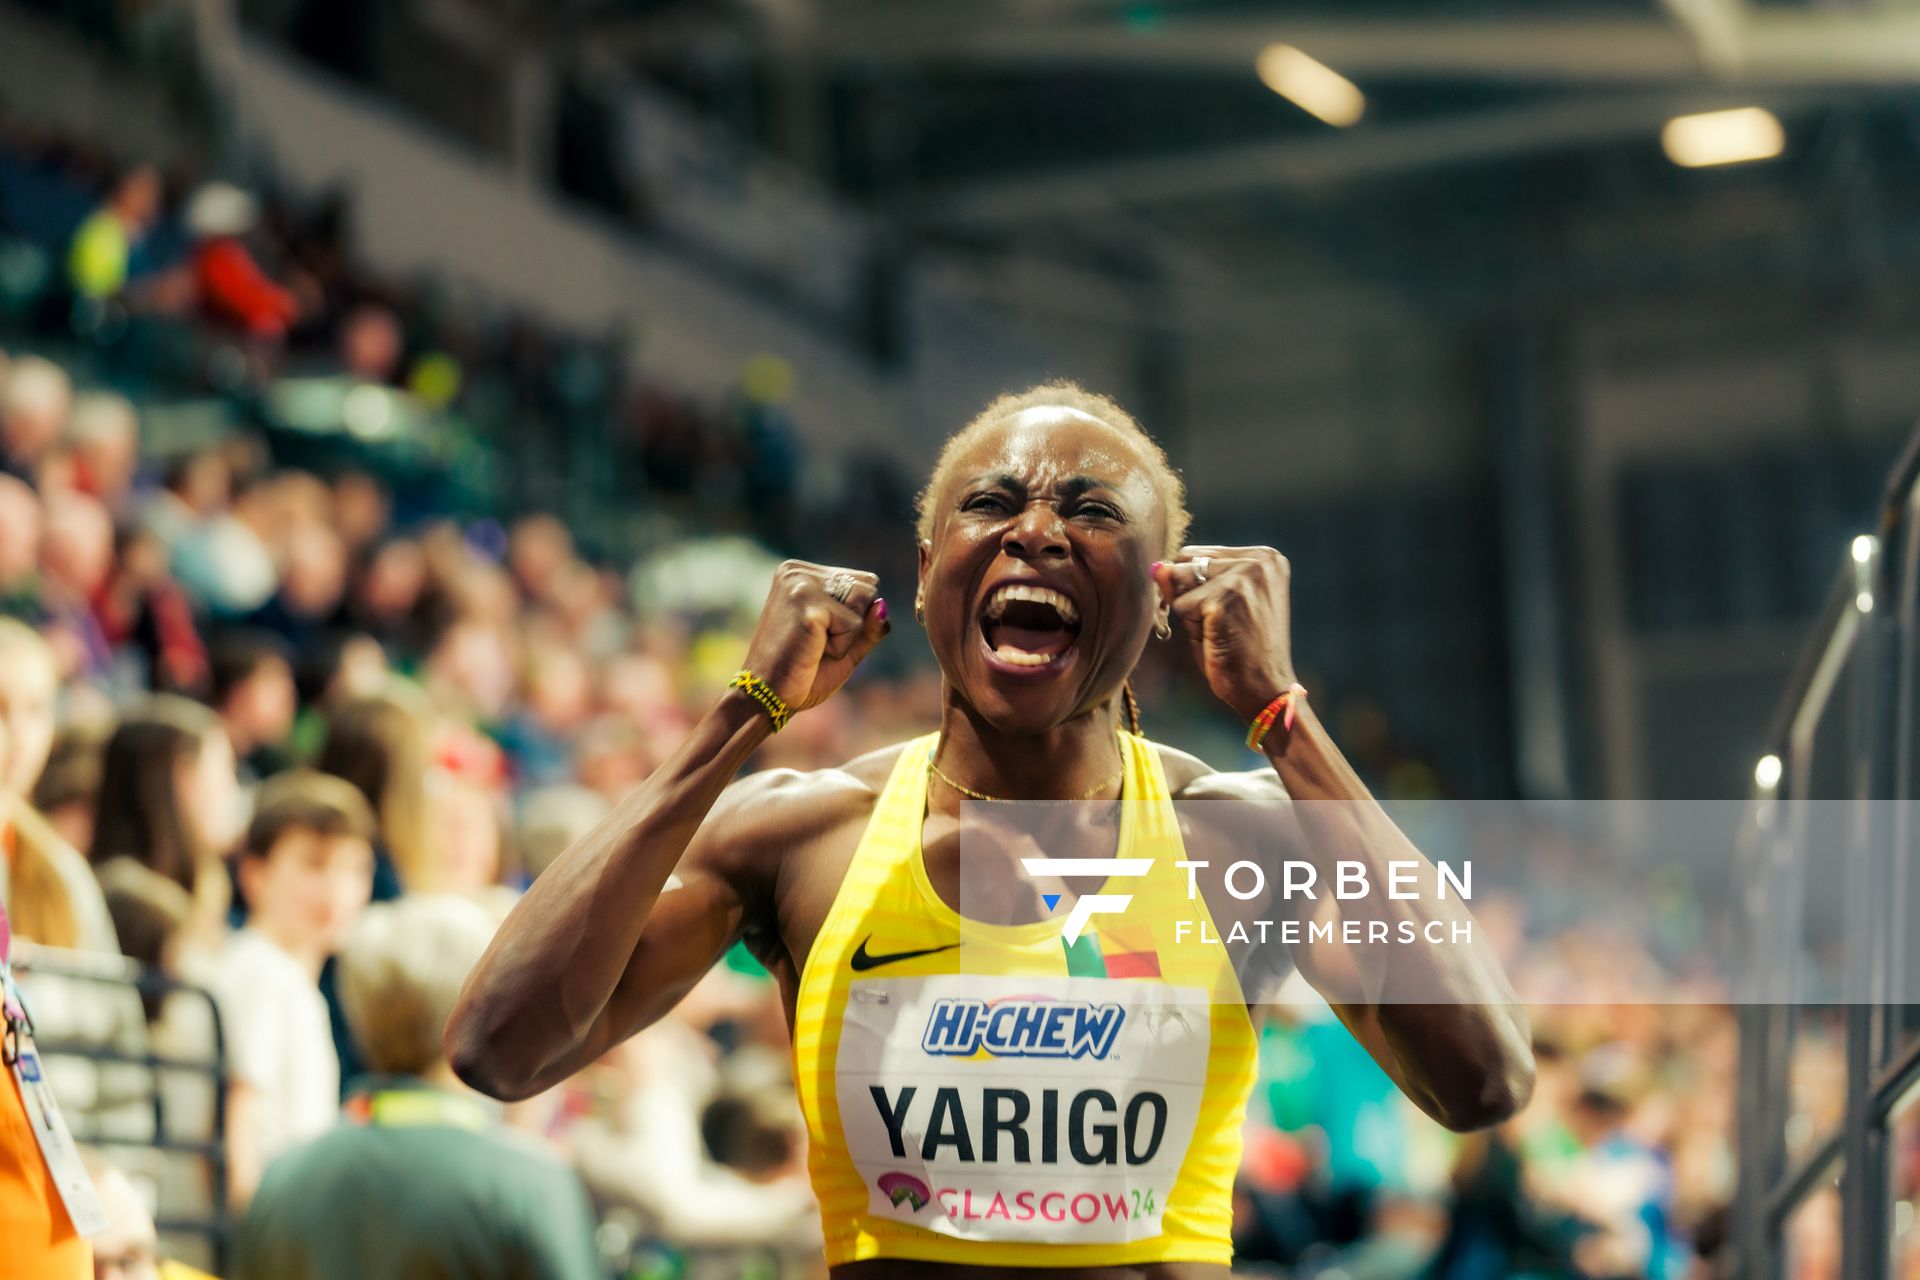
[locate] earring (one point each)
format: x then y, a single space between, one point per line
920 609
1162 628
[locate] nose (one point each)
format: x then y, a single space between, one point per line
1039 532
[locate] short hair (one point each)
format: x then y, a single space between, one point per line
402 965
102 415
306 800
1167 483
36 385
235 657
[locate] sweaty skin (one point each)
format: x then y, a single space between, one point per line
600 946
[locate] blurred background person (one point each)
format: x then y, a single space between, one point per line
35 398
170 800
378 742
378 1198
100 261
306 870
251 689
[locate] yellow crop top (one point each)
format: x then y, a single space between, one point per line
991 1094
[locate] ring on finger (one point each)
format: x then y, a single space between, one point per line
1200 570
840 586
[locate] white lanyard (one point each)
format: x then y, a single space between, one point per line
43 1113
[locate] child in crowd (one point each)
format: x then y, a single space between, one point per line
306 872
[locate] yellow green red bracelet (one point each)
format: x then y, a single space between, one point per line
762 692
1257 731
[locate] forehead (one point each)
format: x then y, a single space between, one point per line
306 843
1048 443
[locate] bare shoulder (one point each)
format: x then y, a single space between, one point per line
783 810
1191 778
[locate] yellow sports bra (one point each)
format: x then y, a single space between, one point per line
996 1095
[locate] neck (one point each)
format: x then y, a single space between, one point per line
1058 763
440 1074
311 958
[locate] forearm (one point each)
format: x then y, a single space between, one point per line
562 953
1440 1001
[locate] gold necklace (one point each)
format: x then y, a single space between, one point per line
981 795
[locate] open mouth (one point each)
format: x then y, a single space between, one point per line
1029 626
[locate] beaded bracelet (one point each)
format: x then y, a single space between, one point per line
762 692
1257 731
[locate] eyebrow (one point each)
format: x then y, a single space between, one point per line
1072 487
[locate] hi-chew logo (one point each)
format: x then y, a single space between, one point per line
1087 905
1021 1027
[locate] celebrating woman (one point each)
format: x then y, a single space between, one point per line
1004 1062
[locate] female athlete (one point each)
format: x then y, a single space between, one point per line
1007 1066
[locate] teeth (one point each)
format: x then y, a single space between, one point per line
1021 658
997 602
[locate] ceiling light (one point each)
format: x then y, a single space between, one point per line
1738 136
1310 84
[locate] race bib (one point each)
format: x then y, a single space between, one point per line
1043 1110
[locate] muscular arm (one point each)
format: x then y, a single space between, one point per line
599 946
1440 1018
1437 1013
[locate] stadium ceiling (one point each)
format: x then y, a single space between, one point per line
1119 134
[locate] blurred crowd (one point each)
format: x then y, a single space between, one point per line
284 733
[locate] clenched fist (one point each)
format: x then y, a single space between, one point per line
808 642
1233 601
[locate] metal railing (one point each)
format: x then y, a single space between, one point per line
144 987
1858 666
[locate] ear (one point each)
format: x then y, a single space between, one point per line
926 560
248 870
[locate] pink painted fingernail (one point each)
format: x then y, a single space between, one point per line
880 607
1153 570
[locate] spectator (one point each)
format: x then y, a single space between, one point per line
129 1249
152 915
306 870
226 560
41 1243
252 692
105 432
148 616
376 1199
34 403
69 787
53 897
362 508
371 344
311 588
467 823
234 291
379 744
76 558
551 819
557 699
100 258
20 531
385 601
170 801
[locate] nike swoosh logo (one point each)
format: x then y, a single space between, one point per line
864 960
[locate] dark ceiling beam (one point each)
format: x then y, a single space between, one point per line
1342 157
